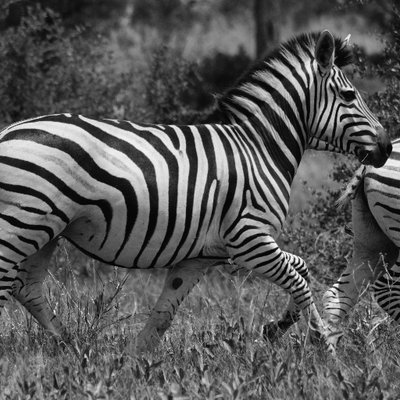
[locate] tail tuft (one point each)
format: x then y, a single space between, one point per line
352 187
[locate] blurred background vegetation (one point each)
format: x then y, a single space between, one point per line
165 60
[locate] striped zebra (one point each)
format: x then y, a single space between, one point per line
181 197
376 227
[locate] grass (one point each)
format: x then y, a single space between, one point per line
213 350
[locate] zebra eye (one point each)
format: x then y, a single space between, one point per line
348 95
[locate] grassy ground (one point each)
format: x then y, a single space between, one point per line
213 350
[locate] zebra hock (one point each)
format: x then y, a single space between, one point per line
185 198
375 195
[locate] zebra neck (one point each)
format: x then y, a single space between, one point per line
272 115
273 133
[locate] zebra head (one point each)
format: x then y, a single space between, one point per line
338 118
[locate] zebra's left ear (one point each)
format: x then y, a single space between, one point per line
325 51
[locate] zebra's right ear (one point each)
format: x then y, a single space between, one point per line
325 51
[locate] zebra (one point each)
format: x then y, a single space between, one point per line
375 195
185 198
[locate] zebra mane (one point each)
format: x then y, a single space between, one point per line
299 47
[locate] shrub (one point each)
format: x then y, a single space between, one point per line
46 68
172 89
386 103
221 70
179 91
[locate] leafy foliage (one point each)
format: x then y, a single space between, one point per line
173 89
220 71
386 103
47 69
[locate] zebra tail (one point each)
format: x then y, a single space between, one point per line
352 188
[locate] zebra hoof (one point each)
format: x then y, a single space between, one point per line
271 331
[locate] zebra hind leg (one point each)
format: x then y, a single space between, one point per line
27 289
179 282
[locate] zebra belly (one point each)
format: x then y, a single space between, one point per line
34 211
160 250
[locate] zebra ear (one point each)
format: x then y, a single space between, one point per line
325 51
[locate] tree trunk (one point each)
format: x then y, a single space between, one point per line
267 19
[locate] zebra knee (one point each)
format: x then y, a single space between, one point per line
299 265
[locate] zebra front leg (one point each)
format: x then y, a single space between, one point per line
180 280
27 289
259 252
275 329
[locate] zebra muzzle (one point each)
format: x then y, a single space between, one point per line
378 156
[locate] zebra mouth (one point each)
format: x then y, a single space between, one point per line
371 157
378 155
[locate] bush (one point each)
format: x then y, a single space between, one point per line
220 71
46 68
173 89
386 103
